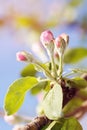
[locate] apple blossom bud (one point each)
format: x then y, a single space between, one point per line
46 37
65 37
25 56
60 45
21 56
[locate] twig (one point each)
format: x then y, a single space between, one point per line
41 121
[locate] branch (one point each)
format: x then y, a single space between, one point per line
39 122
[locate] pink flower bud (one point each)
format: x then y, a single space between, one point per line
21 56
59 41
60 45
65 37
46 37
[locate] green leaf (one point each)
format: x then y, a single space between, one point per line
52 103
82 93
42 66
80 82
29 70
75 3
51 125
73 105
67 124
75 55
78 70
16 93
38 87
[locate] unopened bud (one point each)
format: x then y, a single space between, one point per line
60 45
65 37
21 56
25 56
46 37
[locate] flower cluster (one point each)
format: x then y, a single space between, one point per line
55 48
59 43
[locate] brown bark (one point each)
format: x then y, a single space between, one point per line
41 121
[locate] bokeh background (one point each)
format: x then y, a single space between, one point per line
21 22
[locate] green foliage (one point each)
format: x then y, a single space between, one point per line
83 93
16 93
29 70
52 103
75 55
75 3
51 125
80 82
38 87
79 70
64 124
73 105
67 124
56 87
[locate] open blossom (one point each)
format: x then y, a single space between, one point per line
46 37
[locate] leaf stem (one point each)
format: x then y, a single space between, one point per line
54 70
60 65
46 71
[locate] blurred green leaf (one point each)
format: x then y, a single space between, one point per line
78 70
16 93
52 103
82 93
51 125
67 124
75 55
75 3
73 105
46 65
80 82
29 70
38 87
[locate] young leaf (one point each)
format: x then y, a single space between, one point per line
67 124
82 93
16 93
77 70
29 70
75 3
80 82
51 125
38 87
75 55
73 105
52 103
